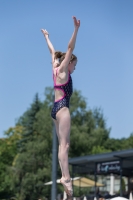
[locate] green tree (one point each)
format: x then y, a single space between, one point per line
29 162
129 141
8 151
28 122
32 166
88 129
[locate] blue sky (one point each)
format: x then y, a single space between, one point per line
104 73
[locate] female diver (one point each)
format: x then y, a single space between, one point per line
63 66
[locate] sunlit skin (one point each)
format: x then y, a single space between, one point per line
72 66
62 121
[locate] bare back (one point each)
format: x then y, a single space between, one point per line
60 78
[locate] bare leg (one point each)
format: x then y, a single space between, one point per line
63 120
62 125
57 132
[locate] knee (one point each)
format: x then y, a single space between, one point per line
65 146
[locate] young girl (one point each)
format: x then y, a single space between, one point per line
63 65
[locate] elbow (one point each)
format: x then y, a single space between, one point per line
52 51
70 48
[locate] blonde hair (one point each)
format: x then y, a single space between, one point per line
60 56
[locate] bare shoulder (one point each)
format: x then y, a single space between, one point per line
60 74
65 62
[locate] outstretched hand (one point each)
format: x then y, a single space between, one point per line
45 32
76 22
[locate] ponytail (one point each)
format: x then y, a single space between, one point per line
60 56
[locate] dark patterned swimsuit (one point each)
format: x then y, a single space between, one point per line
67 89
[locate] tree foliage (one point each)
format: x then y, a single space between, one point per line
8 151
26 152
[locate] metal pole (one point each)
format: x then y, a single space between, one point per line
72 178
121 177
95 177
111 184
54 165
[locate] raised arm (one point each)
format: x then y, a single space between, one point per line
72 41
71 44
50 46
